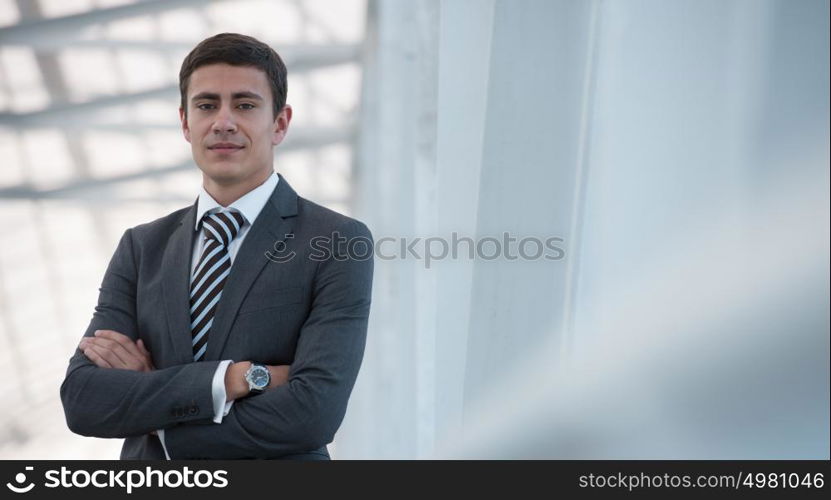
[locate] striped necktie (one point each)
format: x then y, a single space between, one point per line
219 229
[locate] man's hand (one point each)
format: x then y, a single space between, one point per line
110 349
279 375
236 386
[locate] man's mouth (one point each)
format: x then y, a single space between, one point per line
225 147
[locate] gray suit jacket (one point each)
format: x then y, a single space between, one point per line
309 311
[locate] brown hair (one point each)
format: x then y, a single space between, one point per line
237 50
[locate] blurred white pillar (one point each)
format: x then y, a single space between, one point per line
391 408
470 126
532 159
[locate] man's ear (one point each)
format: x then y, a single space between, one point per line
184 119
281 125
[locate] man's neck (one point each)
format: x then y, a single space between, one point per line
225 194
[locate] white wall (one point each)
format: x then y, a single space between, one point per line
679 148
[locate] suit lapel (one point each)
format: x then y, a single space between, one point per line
275 221
176 286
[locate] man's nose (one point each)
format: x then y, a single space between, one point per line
224 122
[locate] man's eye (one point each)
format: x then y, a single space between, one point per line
246 105
204 106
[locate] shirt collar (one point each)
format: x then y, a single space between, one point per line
249 205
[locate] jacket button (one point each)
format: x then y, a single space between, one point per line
194 410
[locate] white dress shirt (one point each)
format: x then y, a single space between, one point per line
249 205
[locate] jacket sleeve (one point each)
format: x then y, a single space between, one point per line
304 413
106 402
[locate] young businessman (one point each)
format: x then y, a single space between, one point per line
235 327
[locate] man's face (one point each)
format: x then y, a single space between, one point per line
230 124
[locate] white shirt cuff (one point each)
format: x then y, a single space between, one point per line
221 407
160 433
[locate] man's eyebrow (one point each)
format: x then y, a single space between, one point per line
205 95
246 95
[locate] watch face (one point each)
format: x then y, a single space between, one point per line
259 377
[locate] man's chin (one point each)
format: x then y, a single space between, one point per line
224 173
227 172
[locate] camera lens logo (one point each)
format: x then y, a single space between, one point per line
21 478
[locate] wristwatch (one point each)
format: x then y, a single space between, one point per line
258 378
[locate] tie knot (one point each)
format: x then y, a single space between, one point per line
222 227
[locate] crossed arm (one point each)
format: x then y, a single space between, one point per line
111 349
299 412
